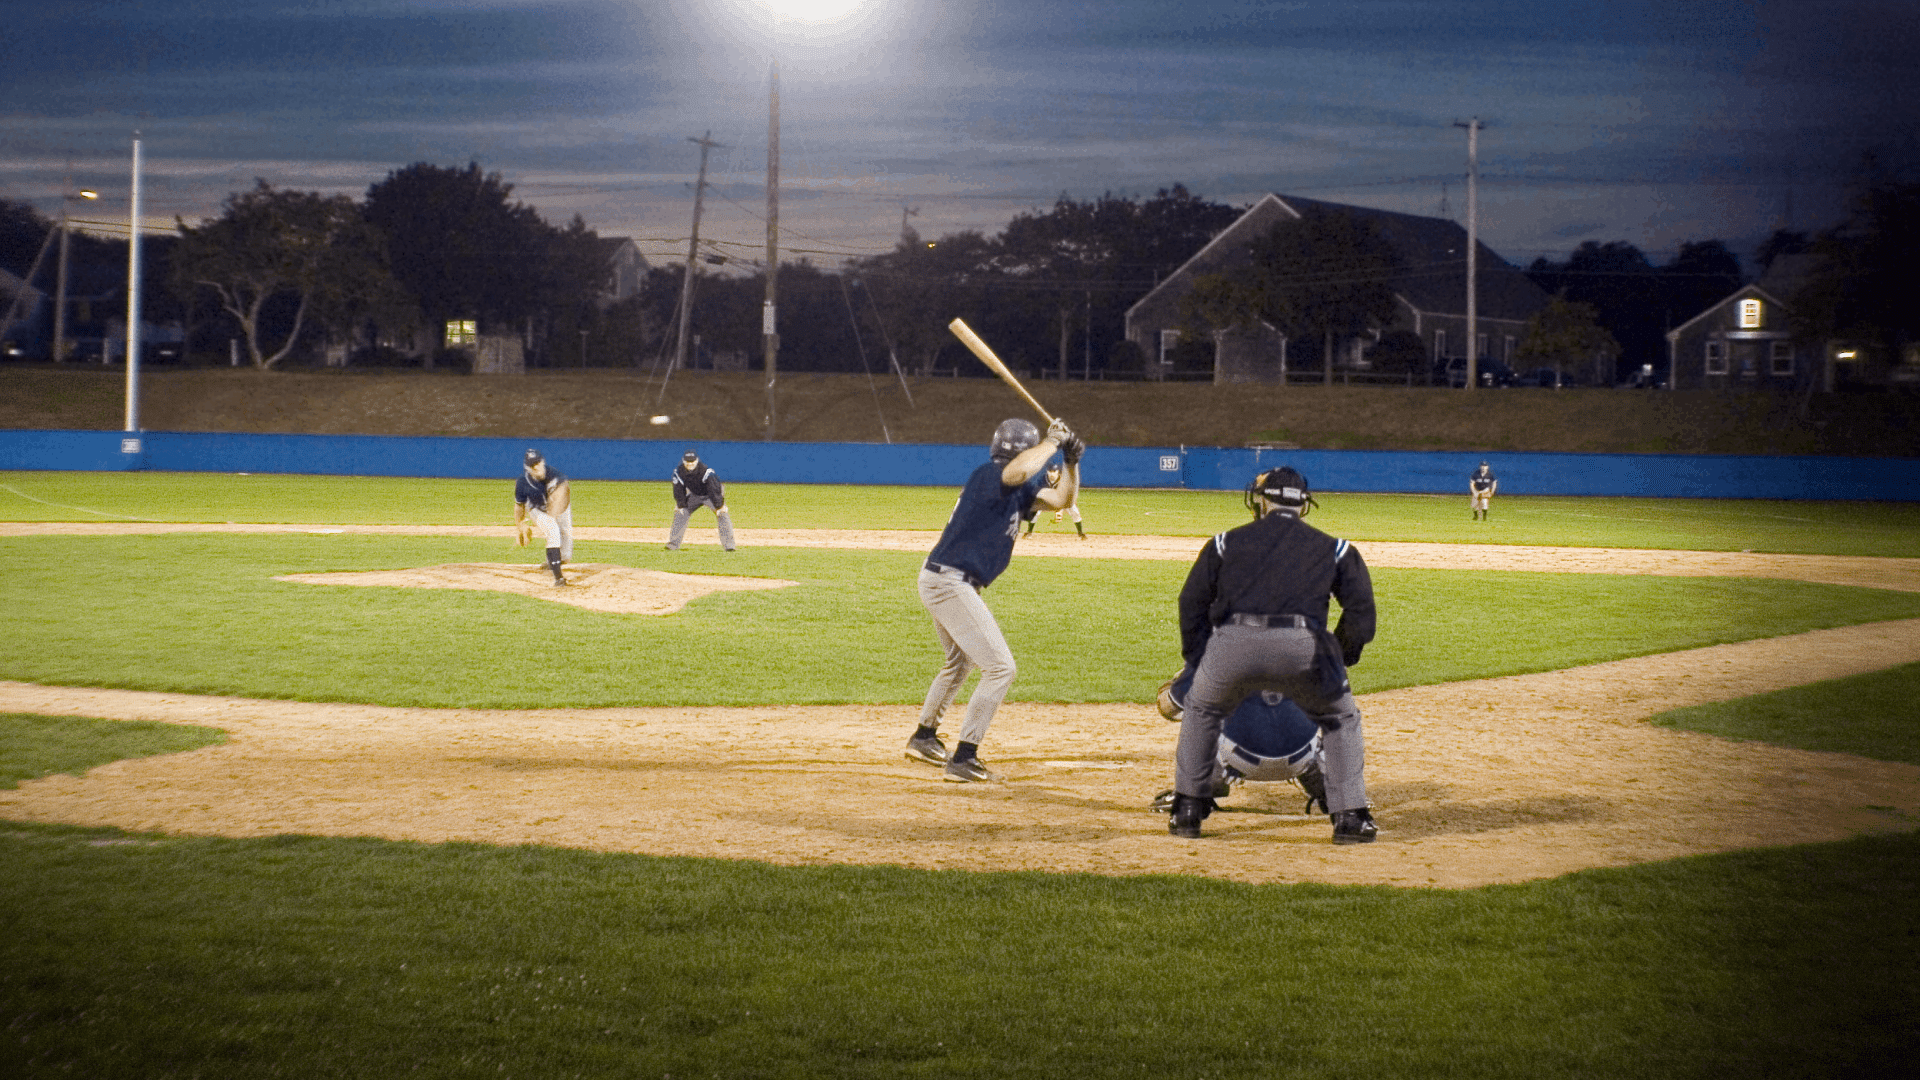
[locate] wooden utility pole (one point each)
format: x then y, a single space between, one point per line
706 144
1473 250
768 323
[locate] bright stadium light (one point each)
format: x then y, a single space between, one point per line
812 11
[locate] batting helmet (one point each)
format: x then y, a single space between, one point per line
1010 438
1283 487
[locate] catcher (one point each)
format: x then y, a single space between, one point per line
1073 508
1481 484
1266 739
542 499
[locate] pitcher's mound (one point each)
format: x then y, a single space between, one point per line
620 590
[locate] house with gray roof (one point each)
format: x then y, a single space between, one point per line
1431 287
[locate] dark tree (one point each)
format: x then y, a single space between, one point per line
1616 279
1780 244
1863 284
460 246
1701 275
310 251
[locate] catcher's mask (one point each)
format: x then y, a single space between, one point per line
1284 488
1010 438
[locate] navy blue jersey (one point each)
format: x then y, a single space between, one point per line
1481 481
985 522
1265 724
533 492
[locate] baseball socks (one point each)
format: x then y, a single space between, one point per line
553 564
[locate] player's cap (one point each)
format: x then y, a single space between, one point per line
533 458
690 457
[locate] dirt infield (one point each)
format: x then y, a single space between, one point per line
1499 780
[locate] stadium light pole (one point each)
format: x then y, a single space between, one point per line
791 13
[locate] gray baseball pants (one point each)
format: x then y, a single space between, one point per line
1242 659
971 638
720 515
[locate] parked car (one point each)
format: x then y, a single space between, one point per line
1491 372
1549 379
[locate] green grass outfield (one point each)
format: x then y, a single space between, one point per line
1836 528
201 613
131 955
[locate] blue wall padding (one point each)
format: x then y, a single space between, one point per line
1194 467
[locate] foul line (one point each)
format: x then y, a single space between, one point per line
80 509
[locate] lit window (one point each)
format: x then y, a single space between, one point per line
1781 359
1439 344
1749 314
1168 339
462 332
1716 358
1482 351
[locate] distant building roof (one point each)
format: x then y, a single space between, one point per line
1433 275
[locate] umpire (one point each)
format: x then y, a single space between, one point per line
1253 616
694 486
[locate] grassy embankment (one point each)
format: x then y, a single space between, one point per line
616 404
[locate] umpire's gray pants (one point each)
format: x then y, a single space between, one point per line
971 638
720 515
1242 659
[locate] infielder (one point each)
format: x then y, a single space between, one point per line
973 550
1481 484
1073 508
543 499
1266 739
694 486
1253 616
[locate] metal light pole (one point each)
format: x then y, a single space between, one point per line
133 296
67 195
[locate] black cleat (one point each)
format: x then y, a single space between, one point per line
1186 815
1354 827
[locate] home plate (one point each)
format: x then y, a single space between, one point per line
1088 764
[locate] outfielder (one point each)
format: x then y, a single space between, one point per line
1253 616
973 550
695 486
1073 508
1266 739
543 499
1481 484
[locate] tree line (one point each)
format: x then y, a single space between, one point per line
285 271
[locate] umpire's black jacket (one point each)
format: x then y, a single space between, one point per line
1278 565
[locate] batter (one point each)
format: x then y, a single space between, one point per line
973 550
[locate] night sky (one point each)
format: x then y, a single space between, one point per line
1651 122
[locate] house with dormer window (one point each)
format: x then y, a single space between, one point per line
1741 342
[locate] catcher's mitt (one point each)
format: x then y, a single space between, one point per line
1169 708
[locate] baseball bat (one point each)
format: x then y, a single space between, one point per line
994 364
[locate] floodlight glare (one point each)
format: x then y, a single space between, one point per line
814 11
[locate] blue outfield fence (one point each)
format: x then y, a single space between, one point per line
1200 468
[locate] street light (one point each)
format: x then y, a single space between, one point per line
67 195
